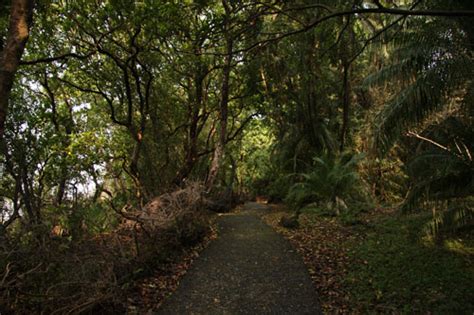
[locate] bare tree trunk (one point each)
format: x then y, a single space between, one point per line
223 110
135 172
21 16
346 102
346 59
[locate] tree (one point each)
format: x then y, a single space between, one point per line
224 101
427 117
21 17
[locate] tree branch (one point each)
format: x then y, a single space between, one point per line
56 58
379 10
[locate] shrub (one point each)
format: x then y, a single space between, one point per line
332 182
56 275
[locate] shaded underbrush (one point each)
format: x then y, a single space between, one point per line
55 275
383 263
321 241
398 269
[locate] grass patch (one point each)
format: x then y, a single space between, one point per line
382 262
396 270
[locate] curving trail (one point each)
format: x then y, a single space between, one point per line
248 269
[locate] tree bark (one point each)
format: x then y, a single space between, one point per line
21 16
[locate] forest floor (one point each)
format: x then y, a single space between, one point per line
147 294
248 269
377 264
382 263
322 242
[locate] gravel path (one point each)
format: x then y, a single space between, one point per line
248 269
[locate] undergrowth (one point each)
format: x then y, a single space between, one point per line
398 269
52 274
381 261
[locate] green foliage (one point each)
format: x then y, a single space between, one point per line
452 221
332 179
130 108
397 272
430 65
256 171
443 168
441 176
94 218
278 188
431 102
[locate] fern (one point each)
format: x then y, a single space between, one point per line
445 187
330 178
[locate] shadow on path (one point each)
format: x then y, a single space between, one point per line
248 269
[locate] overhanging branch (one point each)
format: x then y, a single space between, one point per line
56 58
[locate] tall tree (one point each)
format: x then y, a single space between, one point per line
224 101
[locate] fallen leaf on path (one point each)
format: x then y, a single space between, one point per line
321 244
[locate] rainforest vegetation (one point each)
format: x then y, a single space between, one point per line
125 125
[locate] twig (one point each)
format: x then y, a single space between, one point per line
413 134
468 153
7 272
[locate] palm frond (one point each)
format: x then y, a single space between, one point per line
429 65
432 163
450 221
441 187
330 177
443 171
416 102
406 110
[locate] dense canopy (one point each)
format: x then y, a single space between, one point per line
108 106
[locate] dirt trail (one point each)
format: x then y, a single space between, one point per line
248 269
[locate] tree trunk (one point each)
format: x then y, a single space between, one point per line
21 16
346 59
223 108
196 101
135 172
346 102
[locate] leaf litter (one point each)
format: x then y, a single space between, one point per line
321 241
